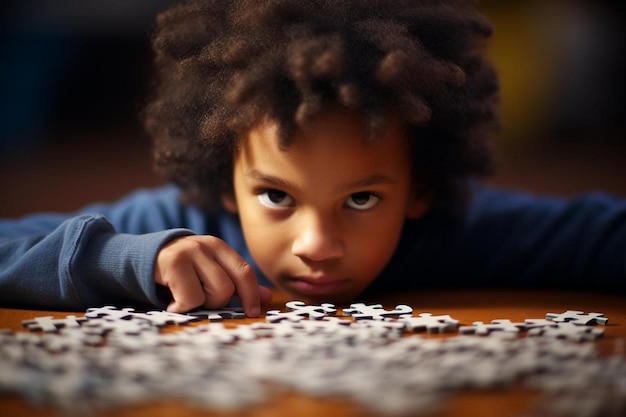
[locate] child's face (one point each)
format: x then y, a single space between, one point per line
323 217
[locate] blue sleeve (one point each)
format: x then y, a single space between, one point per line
102 254
577 243
512 239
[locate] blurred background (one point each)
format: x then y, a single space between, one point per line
74 75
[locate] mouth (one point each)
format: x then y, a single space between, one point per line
316 286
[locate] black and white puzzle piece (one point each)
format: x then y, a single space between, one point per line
70 338
362 357
299 310
156 318
362 311
570 331
219 315
426 321
287 327
578 317
502 325
109 313
126 327
50 324
571 324
163 318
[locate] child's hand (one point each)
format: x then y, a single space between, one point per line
205 271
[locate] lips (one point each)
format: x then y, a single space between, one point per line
316 286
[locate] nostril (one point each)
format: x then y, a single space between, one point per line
317 247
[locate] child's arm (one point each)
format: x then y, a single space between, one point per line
81 260
539 241
513 239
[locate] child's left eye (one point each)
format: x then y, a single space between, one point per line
362 201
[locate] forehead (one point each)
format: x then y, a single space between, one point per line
334 144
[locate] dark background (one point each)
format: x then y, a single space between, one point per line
74 74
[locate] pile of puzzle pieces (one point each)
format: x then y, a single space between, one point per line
113 357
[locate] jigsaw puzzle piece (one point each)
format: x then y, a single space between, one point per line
70 338
217 332
433 324
299 311
538 323
480 328
578 317
163 318
109 313
569 331
219 315
362 311
312 311
123 326
49 324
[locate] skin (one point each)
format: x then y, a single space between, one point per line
321 217
205 271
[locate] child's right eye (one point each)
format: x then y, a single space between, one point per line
275 199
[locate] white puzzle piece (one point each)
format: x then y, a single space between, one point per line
578 317
362 311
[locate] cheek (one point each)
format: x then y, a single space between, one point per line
375 250
262 239
374 245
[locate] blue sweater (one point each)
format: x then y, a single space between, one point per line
104 254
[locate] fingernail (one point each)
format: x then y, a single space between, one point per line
254 312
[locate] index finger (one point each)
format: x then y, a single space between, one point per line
243 277
247 289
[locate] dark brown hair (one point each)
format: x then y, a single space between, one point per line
222 66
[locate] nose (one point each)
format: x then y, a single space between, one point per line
318 239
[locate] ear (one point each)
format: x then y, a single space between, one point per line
418 206
230 203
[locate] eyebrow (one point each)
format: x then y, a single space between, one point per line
268 179
375 179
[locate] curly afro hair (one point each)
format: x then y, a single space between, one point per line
222 66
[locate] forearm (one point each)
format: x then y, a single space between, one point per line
81 263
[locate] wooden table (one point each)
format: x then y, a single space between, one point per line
466 305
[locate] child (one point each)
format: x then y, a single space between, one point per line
323 147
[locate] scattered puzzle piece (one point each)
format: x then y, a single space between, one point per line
127 327
285 328
145 340
386 328
570 331
312 311
222 334
219 315
482 329
361 311
275 316
535 323
578 317
70 338
426 321
299 311
50 324
162 318
109 313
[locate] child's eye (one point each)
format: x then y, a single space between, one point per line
362 201
275 199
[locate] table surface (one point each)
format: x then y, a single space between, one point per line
465 305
